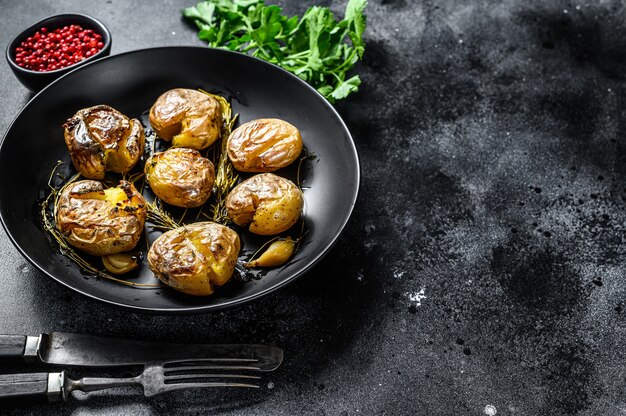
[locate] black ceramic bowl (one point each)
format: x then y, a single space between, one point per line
131 82
35 80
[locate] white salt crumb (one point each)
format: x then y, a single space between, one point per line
24 269
398 273
417 297
173 33
490 410
270 385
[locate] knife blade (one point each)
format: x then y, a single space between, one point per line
61 348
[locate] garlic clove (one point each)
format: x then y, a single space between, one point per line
276 254
120 263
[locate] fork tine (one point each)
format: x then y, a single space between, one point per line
168 363
183 386
211 384
169 370
199 376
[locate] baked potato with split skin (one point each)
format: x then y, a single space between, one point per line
101 221
180 177
264 145
269 203
195 258
188 118
101 139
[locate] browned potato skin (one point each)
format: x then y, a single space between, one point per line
269 203
195 258
264 145
188 118
181 177
98 226
100 138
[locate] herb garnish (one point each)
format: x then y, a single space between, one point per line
315 47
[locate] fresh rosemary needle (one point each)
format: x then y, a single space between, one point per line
225 176
159 218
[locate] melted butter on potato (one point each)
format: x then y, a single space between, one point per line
181 177
101 139
195 258
264 145
188 118
101 221
269 203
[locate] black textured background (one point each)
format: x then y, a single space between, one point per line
483 267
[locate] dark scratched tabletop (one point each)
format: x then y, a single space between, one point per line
483 270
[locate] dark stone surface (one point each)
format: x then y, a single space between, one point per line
484 262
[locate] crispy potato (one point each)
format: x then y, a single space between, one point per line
102 139
269 203
195 258
101 221
188 118
181 177
264 145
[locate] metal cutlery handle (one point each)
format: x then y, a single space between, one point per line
19 346
31 387
87 384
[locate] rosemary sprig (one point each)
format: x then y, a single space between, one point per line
307 156
159 218
134 177
225 176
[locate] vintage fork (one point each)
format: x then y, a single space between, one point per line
157 378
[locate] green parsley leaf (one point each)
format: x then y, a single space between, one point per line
345 88
316 47
355 15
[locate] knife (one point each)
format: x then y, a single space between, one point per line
61 348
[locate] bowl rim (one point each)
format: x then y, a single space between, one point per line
102 30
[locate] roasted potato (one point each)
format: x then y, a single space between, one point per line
188 118
195 258
102 139
269 203
101 221
181 177
264 145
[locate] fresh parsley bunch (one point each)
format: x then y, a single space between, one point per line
315 47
